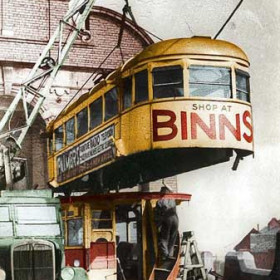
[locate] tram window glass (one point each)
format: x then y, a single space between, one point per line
168 81
208 81
58 138
101 219
127 92
70 131
242 86
141 86
96 111
111 104
75 232
82 122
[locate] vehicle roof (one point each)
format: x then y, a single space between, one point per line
188 46
125 196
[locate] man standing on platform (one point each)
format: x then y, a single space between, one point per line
167 222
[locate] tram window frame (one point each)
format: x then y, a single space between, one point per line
141 86
211 86
98 119
97 223
81 132
242 91
69 141
127 92
160 89
111 100
59 145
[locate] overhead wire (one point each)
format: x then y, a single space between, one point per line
229 18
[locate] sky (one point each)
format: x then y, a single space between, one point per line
227 204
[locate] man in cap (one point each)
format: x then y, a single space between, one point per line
167 222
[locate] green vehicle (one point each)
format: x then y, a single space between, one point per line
31 237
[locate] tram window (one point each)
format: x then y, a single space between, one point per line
141 86
111 104
96 110
58 138
70 131
242 86
75 232
168 81
207 81
82 122
127 92
101 219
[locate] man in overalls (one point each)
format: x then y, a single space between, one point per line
167 222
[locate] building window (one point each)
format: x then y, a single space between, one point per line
242 86
141 86
111 104
208 81
58 133
127 92
82 122
168 81
96 113
70 131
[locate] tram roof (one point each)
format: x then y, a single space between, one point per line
125 196
188 46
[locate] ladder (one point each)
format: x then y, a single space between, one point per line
192 267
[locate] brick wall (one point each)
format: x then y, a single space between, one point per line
25 26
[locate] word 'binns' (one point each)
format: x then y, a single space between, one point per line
215 129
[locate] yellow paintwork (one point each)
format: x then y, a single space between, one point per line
133 126
84 210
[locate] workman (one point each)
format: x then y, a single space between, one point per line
167 222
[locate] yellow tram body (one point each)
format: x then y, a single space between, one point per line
114 234
179 105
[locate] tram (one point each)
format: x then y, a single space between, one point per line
114 236
179 105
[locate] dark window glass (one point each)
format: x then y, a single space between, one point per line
70 131
208 81
58 138
141 86
101 219
101 224
242 86
168 82
82 122
111 104
75 232
127 92
96 113
101 214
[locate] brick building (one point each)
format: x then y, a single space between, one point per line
261 244
25 28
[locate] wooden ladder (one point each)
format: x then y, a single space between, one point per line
192 267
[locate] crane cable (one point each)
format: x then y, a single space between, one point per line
229 18
95 72
126 9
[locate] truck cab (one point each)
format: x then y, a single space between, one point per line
31 236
